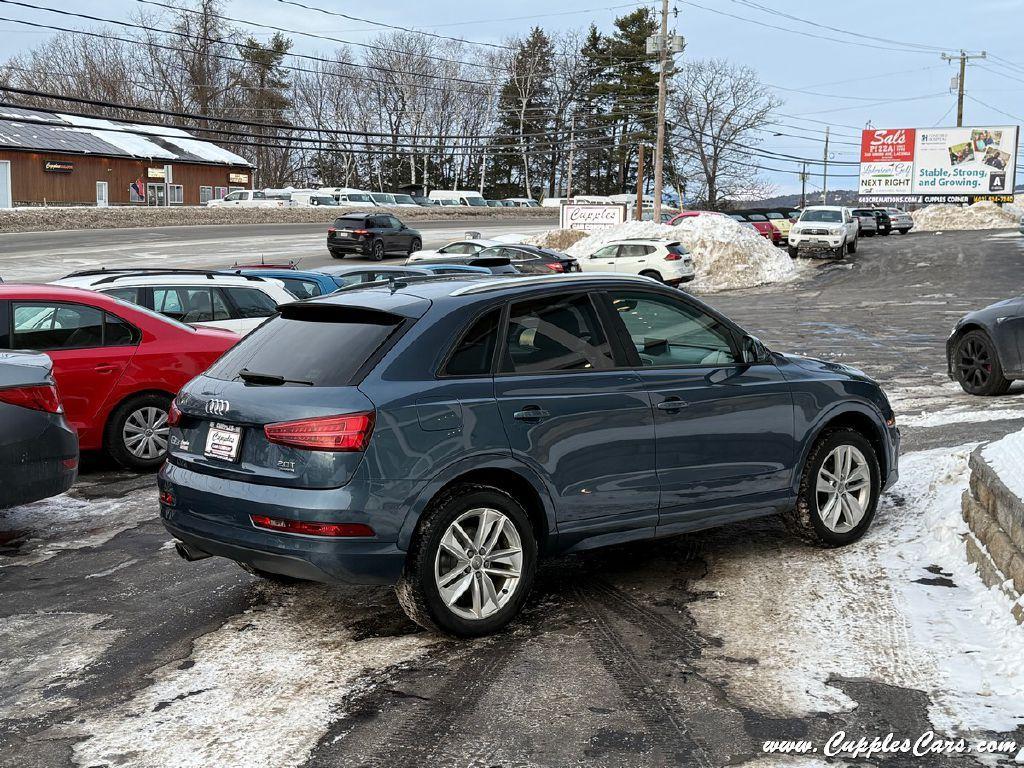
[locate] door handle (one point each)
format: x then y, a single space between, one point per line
105 368
671 404
530 413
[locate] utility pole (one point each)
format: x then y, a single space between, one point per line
639 214
572 156
824 181
803 187
963 57
666 48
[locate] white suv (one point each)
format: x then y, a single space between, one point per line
664 260
233 302
825 228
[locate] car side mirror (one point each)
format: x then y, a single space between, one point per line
754 351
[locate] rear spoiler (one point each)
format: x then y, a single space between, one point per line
328 312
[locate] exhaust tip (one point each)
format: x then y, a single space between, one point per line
188 553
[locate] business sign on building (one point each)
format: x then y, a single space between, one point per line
590 216
156 173
58 166
938 164
238 178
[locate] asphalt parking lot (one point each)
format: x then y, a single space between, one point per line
690 651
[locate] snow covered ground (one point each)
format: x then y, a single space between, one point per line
1006 457
902 606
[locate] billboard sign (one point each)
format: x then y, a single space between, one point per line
939 163
590 216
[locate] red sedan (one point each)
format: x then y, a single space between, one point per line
117 365
766 229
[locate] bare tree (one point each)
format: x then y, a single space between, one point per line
716 109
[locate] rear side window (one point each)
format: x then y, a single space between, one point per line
319 351
125 294
555 333
300 289
475 351
190 305
252 303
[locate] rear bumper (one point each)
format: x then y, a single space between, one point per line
45 465
213 515
343 246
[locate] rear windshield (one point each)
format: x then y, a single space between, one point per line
317 352
350 222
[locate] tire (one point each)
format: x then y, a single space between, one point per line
886 233
377 250
814 504
794 252
145 412
653 275
274 578
415 245
840 252
869 234
904 231
852 247
419 591
336 254
976 365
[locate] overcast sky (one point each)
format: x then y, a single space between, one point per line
890 84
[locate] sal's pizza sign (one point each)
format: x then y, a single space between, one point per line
887 146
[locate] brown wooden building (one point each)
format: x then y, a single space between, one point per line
56 159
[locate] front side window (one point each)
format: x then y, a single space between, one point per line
234 196
553 334
393 222
473 354
252 303
458 248
608 252
668 333
56 326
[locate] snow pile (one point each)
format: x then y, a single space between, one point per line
557 239
1006 457
725 254
982 215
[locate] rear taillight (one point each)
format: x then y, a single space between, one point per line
672 257
331 230
555 266
360 231
311 528
350 432
173 414
43 397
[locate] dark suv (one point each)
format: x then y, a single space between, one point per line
371 234
443 435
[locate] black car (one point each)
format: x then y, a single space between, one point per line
985 351
884 222
371 234
532 259
38 448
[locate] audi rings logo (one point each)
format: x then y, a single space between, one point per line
217 407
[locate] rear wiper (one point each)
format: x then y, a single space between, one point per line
269 379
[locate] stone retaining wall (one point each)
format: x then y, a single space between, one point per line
52 219
995 544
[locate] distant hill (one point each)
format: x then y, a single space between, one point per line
837 197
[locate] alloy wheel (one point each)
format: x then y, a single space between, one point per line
843 489
479 563
145 433
975 363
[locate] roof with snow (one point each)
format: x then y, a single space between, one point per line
57 132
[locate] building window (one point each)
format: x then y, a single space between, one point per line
205 195
219 193
177 194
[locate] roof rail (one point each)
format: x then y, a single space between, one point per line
112 275
561 278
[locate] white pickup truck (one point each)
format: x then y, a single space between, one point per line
249 198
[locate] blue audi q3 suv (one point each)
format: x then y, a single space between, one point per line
443 435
